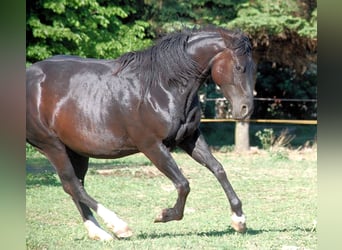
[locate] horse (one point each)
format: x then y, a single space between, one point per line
144 101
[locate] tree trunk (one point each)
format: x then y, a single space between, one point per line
241 136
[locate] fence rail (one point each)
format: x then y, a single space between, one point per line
299 122
279 121
267 99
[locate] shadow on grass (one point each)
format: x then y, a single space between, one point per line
213 233
41 179
219 233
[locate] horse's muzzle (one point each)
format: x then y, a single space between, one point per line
242 112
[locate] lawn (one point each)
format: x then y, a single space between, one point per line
278 190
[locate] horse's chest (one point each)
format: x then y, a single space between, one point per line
184 126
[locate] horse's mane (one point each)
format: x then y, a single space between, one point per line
168 61
234 39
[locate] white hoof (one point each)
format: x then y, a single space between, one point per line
239 223
124 232
114 223
95 232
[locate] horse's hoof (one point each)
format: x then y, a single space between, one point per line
159 218
165 215
123 233
239 223
95 232
106 237
239 227
168 214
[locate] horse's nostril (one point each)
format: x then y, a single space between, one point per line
244 110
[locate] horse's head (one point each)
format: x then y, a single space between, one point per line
232 71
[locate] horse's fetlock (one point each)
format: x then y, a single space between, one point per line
236 204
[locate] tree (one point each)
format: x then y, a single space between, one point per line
169 15
89 28
282 32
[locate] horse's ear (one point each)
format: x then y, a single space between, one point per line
228 39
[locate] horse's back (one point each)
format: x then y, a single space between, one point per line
60 75
69 65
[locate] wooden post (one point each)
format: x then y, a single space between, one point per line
241 136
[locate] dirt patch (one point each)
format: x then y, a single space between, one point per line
137 172
305 153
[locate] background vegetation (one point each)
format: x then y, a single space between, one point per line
283 34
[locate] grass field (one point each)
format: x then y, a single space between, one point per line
278 190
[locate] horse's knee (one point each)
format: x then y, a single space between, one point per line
220 173
183 188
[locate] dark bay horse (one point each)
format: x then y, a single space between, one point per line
144 101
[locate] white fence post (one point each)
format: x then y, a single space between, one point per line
241 136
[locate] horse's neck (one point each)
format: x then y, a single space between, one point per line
203 49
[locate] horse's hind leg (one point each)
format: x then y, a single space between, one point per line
119 227
55 151
80 166
162 159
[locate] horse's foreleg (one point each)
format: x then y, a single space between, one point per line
162 159
198 149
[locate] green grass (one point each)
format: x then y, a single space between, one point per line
278 191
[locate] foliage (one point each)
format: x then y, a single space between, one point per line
277 81
269 140
266 137
88 28
271 17
168 15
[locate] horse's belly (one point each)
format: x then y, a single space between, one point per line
112 154
98 148
97 144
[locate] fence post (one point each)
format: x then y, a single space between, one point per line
241 136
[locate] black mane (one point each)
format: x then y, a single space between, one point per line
167 60
234 39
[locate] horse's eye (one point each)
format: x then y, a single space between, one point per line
239 68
